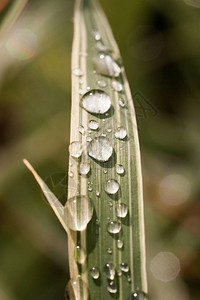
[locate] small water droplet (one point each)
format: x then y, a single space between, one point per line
109 130
75 288
104 134
96 35
101 83
88 88
100 46
93 125
117 86
122 102
80 255
88 139
81 91
71 174
105 171
129 280
75 149
100 149
120 133
121 210
112 186
97 193
96 101
109 250
89 131
70 164
81 129
84 168
95 273
77 72
119 273
120 169
90 189
104 64
114 227
110 204
124 267
78 212
120 244
112 287
110 271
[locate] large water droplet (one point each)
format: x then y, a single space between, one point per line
110 271
100 149
114 227
112 287
112 186
78 212
77 72
124 267
77 290
120 169
117 86
93 125
75 149
121 210
84 168
96 101
120 244
80 255
104 64
120 133
94 271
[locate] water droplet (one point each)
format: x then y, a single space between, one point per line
110 271
81 129
124 267
80 255
77 72
78 212
103 134
77 289
104 64
100 46
120 169
112 186
88 88
70 164
109 130
88 139
112 287
84 168
128 278
100 149
117 86
114 227
89 131
119 273
75 149
109 250
96 101
110 204
120 133
71 174
90 189
97 193
93 125
105 171
94 271
136 296
101 83
121 210
81 91
122 102
120 244
96 35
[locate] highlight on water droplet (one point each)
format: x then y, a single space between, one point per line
109 271
120 169
121 210
80 255
76 289
104 64
95 273
136 296
78 212
93 125
117 86
75 149
97 193
120 133
77 72
114 227
100 148
112 287
96 101
22 44
124 267
112 186
84 168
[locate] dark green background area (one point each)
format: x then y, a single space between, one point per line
159 42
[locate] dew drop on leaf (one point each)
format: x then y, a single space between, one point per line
75 288
80 255
112 287
112 186
124 267
81 129
75 149
100 148
95 273
117 86
121 210
84 168
77 72
120 244
110 271
104 64
120 169
96 101
122 102
120 133
114 227
93 125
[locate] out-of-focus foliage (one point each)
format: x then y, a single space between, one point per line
160 44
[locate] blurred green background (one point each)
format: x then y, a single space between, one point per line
160 46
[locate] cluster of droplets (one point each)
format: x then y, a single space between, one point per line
79 209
